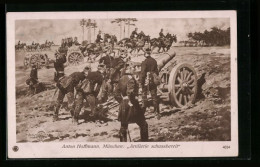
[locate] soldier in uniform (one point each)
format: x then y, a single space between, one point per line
134 34
148 68
161 36
59 65
99 38
66 87
130 111
32 80
88 89
18 43
33 43
117 70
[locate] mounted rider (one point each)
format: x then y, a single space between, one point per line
19 43
161 36
99 38
134 34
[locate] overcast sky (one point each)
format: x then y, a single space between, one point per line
54 30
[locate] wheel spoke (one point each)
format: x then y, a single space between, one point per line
180 98
181 75
188 76
185 99
190 81
179 90
190 91
177 85
179 79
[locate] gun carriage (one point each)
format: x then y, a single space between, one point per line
178 80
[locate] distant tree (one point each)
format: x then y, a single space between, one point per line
215 36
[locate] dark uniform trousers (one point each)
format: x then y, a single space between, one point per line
69 92
86 90
149 65
32 81
66 87
125 92
90 98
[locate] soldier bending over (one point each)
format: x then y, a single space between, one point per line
88 89
66 87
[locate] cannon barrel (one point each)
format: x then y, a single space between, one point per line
164 59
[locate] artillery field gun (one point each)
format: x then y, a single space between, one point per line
178 83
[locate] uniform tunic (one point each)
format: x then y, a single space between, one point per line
133 34
59 67
117 65
149 65
99 38
125 92
91 80
66 87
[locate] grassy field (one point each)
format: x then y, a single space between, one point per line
207 120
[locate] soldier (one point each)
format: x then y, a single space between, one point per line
88 89
117 70
46 42
33 43
66 87
161 36
59 65
149 70
76 41
107 59
130 111
32 80
134 34
18 43
99 38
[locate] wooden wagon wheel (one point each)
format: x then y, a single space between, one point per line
39 60
182 85
75 58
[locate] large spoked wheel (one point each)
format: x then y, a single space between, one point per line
40 60
75 58
182 85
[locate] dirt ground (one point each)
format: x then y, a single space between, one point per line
207 120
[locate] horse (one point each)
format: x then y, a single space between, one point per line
46 45
32 47
165 43
139 44
20 46
111 39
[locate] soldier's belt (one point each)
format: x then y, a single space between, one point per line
61 72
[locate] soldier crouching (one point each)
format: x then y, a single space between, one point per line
66 87
130 111
88 89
